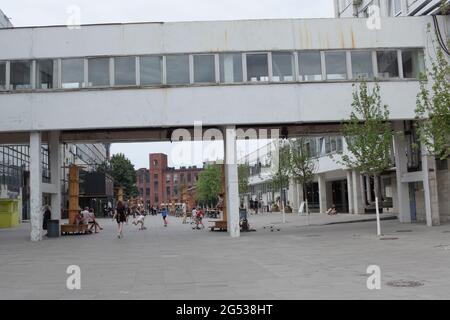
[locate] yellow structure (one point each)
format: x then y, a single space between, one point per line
9 213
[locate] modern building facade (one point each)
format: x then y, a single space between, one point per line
141 82
388 8
161 184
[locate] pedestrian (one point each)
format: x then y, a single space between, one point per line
121 218
86 218
198 219
140 221
164 214
184 209
47 217
193 215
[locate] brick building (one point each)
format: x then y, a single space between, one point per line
162 184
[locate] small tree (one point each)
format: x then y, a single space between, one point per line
209 184
303 167
243 175
123 173
281 173
433 108
368 134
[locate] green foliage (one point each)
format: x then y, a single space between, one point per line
433 108
302 165
123 173
281 174
243 174
209 184
368 132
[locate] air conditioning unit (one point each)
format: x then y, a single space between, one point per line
357 3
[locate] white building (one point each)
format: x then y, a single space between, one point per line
388 8
5 22
140 81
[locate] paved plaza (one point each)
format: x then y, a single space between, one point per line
319 261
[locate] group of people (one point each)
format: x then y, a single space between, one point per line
87 216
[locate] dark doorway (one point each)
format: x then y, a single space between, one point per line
340 195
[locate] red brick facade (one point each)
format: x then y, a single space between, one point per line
161 184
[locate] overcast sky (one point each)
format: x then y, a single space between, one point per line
51 12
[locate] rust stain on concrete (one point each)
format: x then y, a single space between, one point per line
353 39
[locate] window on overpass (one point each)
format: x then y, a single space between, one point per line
204 68
362 67
72 73
230 67
45 74
387 64
98 70
125 71
413 63
20 75
151 70
282 65
2 75
310 66
177 67
257 67
336 65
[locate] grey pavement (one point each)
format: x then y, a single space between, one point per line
319 261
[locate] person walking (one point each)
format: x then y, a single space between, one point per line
47 217
121 217
164 214
184 209
199 219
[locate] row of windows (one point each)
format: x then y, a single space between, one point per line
182 69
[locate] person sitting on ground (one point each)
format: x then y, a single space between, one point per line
332 211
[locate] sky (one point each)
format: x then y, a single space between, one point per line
58 12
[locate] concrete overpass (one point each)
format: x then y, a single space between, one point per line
140 81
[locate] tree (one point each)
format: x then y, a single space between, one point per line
123 173
209 184
368 134
281 173
243 174
433 108
302 166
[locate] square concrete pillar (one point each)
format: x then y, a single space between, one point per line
36 213
322 194
350 192
293 195
358 205
430 189
401 168
231 181
55 173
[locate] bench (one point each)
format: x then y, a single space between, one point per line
74 229
220 225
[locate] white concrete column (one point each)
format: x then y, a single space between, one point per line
430 189
401 165
36 214
293 195
231 181
350 192
368 190
55 173
322 194
358 205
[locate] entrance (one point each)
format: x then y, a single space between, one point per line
340 195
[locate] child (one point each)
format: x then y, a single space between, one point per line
164 214
198 219
140 221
